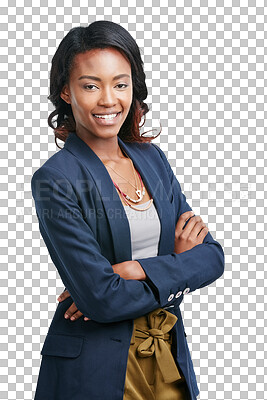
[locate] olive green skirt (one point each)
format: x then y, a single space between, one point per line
152 373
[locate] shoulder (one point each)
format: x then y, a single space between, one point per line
154 150
62 165
54 173
58 161
149 149
157 156
159 152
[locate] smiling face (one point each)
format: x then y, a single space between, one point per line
100 86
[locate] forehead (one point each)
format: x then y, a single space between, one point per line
106 61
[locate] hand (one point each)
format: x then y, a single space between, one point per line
130 270
72 312
126 269
190 236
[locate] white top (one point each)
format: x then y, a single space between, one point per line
145 230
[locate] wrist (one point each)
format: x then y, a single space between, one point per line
141 273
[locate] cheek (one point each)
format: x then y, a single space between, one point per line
130 96
128 100
81 105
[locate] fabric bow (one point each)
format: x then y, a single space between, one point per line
160 322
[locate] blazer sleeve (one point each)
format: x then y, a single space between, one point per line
192 269
98 292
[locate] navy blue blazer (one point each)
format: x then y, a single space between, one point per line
85 228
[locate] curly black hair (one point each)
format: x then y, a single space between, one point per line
98 35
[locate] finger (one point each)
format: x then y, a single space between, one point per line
196 235
197 229
64 295
203 233
70 311
200 237
76 315
182 220
86 318
187 230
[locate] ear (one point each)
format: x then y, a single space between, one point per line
65 94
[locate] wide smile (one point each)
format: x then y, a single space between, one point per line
107 119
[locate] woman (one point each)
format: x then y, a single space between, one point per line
124 240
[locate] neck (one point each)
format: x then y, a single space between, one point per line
108 150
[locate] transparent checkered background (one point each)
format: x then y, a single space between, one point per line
205 63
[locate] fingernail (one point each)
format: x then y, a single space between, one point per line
66 316
59 298
72 318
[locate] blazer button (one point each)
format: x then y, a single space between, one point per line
187 290
178 294
171 296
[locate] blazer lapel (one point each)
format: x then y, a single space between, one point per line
112 204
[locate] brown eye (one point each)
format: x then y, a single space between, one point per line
87 86
122 84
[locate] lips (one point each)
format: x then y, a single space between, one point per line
107 119
107 115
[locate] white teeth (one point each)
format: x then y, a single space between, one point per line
108 116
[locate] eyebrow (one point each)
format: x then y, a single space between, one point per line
95 78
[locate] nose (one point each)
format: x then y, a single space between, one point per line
107 98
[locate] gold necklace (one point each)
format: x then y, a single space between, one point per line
137 191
